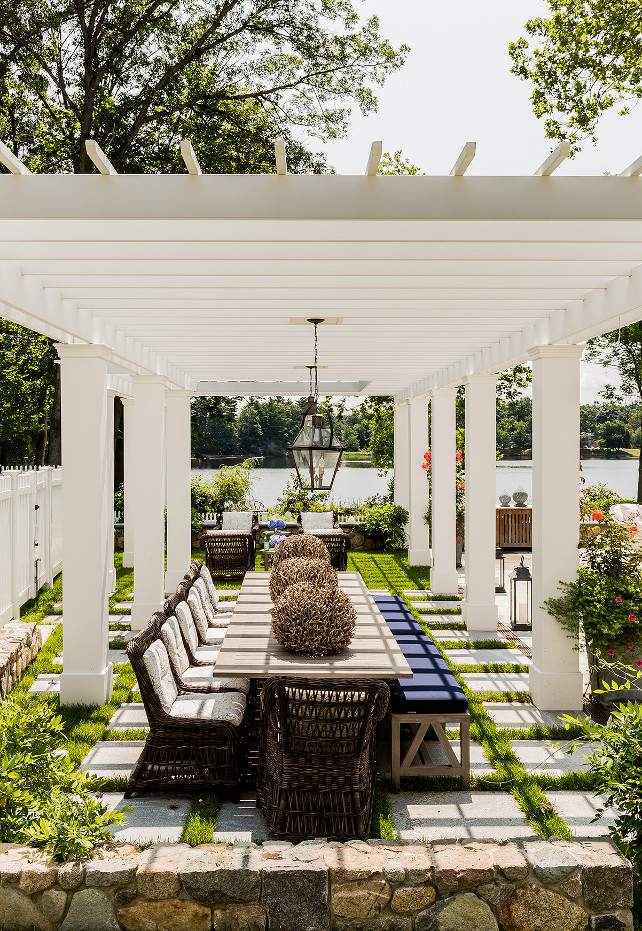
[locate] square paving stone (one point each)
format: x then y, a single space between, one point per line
130 714
520 714
496 681
240 822
46 630
441 635
155 817
111 759
543 756
113 656
578 810
436 605
46 684
463 657
439 816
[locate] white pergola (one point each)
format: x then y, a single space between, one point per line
161 287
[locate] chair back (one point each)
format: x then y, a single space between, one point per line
323 717
309 521
135 650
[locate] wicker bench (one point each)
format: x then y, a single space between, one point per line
425 704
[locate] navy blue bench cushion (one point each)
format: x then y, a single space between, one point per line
433 687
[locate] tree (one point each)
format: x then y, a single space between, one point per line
615 435
586 59
27 381
139 76
623 350
250 434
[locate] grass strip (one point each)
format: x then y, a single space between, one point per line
382 826
201 820
441 612
390 571
37 609
488 667
126 733
476 645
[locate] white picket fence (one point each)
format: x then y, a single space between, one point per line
30 535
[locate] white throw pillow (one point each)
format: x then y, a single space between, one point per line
157 665
198 612
616 513
317 520
206 575
200 586
171 637
237 520
188 628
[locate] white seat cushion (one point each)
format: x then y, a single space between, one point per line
200 587
216 635
171 637
206 654
199 617
156 662
186 622
221 706
203 675
237 520
206 575
317 520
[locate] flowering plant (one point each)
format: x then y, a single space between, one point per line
460 492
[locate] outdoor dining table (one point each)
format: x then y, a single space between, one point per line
250 648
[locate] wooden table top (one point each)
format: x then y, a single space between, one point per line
250 649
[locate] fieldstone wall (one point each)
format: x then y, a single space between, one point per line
19 644
316 886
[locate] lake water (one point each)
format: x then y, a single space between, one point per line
358 480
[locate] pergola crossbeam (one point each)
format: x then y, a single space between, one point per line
280 156
633 170
464 159
189 157
376 150
11 161
554 160
99 158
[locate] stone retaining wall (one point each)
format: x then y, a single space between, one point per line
315 886
19 644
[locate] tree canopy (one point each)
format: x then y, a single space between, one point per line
582 60
138 77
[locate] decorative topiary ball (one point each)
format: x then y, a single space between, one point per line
301 544
314 621
520 497
315 571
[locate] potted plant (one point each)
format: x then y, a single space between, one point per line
460 500
604 602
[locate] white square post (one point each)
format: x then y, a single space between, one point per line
179 462
401 455
87 501
479 609
128 484
149 497
419 544
443 574
111 569
555 679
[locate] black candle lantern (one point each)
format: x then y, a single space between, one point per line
500 569
521 597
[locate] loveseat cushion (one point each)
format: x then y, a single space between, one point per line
220 706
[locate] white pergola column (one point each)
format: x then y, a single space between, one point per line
111 570
401 454
87 502
419 535
555 679
179 462
128 484
479 609
443 533
149 497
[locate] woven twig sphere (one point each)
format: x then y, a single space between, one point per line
300 545
314 621
316 571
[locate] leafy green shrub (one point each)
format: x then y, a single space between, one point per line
44 799
606 595
224 489
119 499
295 499
597 497
386 523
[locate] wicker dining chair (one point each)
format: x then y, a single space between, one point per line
329 531
183 752
316 756
229 553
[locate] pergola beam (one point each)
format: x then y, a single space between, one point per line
11 161
464 159
99 158
376 150
249 389
189 157
633 170
280 156
554 160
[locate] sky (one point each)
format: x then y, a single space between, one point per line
456 87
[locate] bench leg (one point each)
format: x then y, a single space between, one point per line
464 750
396 754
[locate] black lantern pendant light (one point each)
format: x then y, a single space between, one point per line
315 451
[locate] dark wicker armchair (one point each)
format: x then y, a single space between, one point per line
316 756
337 542
230 553
182 752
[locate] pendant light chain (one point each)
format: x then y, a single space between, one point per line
316 371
